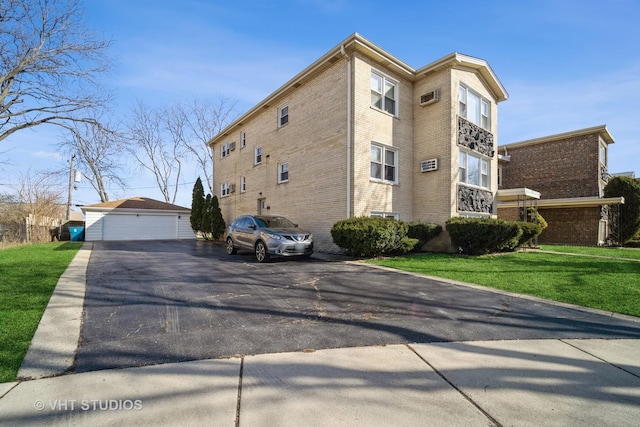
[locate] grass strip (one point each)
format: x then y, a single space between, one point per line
602 283
615 252
28 276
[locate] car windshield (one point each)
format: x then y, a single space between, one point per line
274 222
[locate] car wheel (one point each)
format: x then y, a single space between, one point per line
261 252
231 249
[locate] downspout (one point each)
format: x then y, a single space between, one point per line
349 129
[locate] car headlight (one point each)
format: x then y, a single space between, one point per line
274 236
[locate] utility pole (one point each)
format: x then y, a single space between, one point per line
70 188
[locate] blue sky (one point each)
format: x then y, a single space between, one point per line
566 64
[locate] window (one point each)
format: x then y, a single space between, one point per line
474 170
283 116
225 189
603 154
475 108
384 164
243 184
385 215
283 172
243 139
226 149
384 93
257 156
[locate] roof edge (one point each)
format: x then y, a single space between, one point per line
601 130
480 65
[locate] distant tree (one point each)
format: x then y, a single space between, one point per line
156 139
217 221
98 150
197 206
628 224
49 64
203 121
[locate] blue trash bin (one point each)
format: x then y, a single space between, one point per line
77 234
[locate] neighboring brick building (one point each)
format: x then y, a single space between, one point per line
360 133
569 170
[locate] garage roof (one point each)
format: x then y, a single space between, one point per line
136 204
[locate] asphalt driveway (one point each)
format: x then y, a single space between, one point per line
168 301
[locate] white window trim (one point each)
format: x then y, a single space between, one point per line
384 149
481 100
255 156
225 150
281 116
243 183
465 167
225 189
396 84
243 139
382 214
280 167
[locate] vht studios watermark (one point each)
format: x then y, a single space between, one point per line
88 405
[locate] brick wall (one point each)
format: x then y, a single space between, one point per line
557 169
313 144
571 226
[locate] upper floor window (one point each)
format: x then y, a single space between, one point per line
474 170
475 108
243 139
384 163
283 172
226 149
243 184
384 93
257 156
603 154
225 189
283 116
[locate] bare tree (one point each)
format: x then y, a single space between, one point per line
37 207
157 137
204 120
49 65
98 150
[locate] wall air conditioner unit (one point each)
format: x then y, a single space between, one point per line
429 165
232 146
430 98
232 188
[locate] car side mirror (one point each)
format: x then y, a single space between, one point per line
253 226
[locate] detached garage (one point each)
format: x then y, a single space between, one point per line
137 218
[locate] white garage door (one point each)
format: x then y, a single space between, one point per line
139 227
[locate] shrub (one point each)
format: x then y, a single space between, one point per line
423 232
366 236
530 230
477 236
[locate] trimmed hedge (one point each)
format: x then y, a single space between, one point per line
367 236
423 232
478 236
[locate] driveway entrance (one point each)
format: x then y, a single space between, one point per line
151 302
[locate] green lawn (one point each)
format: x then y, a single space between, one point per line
28 275
603 283
630 253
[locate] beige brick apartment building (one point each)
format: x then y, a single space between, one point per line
361 133
569 171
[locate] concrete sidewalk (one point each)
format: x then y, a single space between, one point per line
554 382
542 383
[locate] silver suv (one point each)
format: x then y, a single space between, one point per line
267 236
